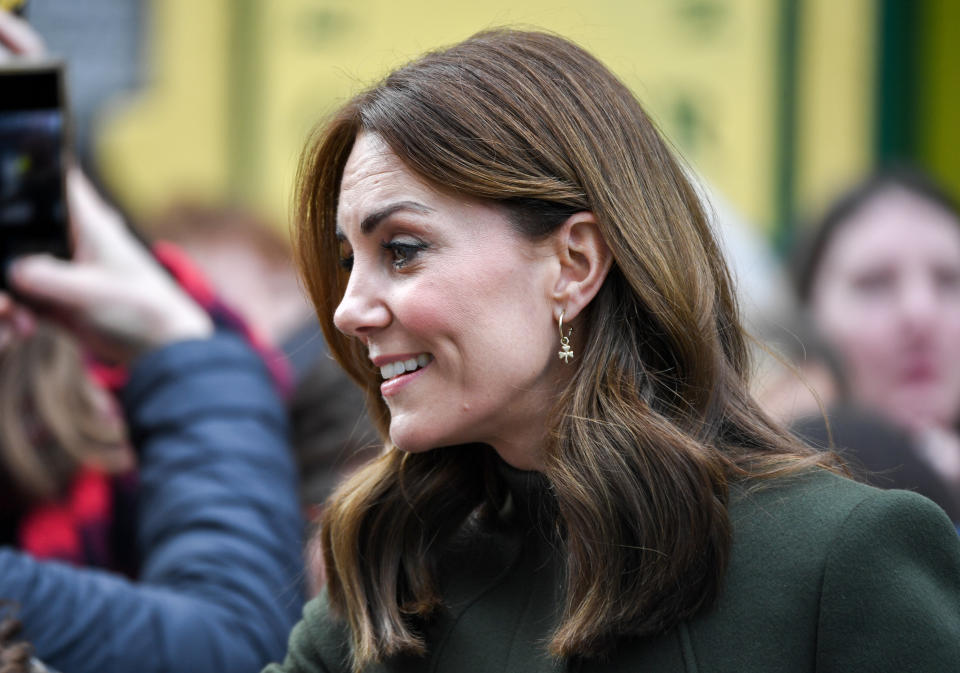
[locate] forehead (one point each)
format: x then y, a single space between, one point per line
372 176
895 225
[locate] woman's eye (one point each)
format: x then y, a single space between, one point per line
402 252
947 279
875 283
344 253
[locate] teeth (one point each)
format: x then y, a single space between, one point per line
392 369
388 371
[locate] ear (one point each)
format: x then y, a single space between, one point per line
584 261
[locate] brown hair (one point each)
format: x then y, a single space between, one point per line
656 418
52 419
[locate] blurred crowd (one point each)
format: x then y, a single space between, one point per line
117 524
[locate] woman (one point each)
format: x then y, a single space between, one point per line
507 257
881 280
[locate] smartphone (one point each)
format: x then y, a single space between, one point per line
33 141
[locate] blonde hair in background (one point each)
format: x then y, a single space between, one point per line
52 416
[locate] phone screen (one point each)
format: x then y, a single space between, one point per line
33 209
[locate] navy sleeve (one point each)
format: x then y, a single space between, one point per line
218 524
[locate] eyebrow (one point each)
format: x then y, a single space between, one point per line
371 221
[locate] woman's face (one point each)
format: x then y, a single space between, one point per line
887 297
443 290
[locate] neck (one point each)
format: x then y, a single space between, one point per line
523 454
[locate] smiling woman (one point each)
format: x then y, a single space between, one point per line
448 378
463 227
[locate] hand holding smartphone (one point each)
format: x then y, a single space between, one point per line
113 294
33 132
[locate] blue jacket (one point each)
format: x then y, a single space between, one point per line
219 530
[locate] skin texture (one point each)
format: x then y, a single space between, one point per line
472 294
888 299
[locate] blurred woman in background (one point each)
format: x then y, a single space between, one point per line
881 281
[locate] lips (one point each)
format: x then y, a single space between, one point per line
396 368
919 372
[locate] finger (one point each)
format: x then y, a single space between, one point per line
19 37
52 282
99 232
87 208
82 190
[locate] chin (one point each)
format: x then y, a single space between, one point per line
411 440
421 436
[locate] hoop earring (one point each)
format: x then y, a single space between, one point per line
565 353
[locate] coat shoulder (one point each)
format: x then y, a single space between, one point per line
813 508
817 556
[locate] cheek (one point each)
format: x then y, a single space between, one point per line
447 322
951 341
860 335
952 327
839 319
433 318
849 313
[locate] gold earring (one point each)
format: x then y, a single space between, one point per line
565 353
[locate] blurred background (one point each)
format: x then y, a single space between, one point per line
779 104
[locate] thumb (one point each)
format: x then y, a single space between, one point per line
47 280
19 37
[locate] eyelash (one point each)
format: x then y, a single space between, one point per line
403 254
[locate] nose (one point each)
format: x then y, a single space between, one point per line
919 305
362 309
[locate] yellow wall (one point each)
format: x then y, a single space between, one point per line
170 140
704 68
836 83
236 85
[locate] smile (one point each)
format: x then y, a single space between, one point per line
394 369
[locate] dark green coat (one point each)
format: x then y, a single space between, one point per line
825 575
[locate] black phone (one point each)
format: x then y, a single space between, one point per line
33 141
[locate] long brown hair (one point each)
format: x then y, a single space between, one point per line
52 418
655 420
